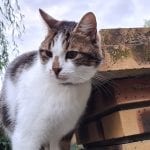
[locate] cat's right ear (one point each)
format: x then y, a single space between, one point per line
50 21
87 26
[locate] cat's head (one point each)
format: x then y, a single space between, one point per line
71 51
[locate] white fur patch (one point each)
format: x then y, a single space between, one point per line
57 48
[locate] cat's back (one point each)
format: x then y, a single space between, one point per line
20 64
9 89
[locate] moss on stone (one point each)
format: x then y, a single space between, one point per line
117 52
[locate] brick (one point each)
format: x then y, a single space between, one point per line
126 123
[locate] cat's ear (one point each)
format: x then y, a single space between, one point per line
50 21
87 25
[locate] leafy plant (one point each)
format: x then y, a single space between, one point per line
11 26
147 23
4 142
76 147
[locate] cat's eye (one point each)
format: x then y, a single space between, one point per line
71 54
49 53
46 52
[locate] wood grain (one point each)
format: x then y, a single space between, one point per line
126 123
141 145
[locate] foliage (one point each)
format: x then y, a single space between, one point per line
147 23
76 147
4 143
11 26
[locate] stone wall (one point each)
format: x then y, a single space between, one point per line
126 51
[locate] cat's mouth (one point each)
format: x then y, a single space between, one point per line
63 80
62 77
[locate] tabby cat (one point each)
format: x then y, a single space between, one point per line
45 92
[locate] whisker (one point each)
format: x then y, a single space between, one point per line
110 83
95 86
105 79
99 82
103 88
79 76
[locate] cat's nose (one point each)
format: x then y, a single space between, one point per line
57 71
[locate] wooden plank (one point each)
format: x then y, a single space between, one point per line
126 123
118 141
133 89
141 145
125 51
122 94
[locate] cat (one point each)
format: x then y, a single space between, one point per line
45 92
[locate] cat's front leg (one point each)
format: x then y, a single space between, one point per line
25 141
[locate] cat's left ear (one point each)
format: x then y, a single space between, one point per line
87 25
50 21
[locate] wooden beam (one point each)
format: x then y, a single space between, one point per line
141 145
119 127
126 123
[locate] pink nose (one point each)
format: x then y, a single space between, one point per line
57 71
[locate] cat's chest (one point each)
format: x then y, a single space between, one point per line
54 102
54 108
